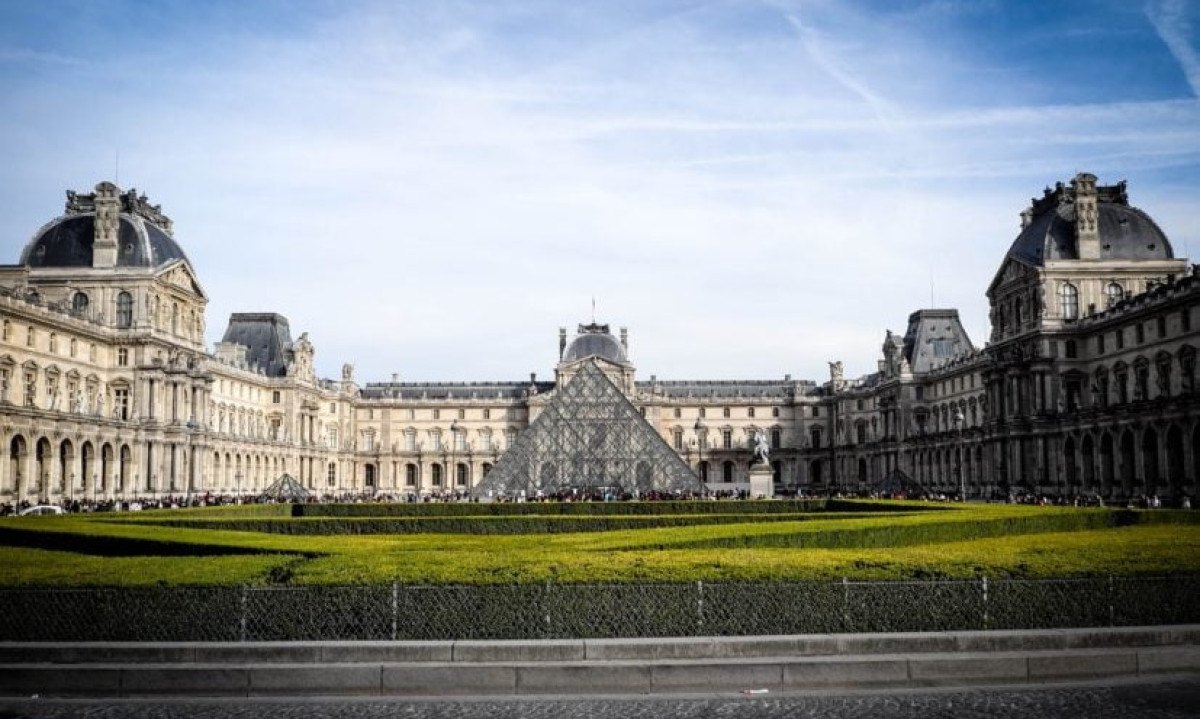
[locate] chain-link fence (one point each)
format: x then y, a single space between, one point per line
551 611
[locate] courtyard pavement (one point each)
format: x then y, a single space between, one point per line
1162 698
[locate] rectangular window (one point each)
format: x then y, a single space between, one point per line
462 414
510 438
1140 333
437 414
52 393
1119 338
487 414
1100 344
275 397
702 413
817 410
1162 327
30 337
332 408
73 347
485 442
121 403
122 357
726 439
30 388
774 411
725 412
678 435
4 378
1185 319
460 441
678 413
410 441
435 441
332 439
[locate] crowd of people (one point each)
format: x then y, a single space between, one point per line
208 499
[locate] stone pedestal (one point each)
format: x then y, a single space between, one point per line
762 481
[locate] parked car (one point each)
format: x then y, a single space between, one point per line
40 510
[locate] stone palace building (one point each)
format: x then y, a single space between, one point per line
1086 385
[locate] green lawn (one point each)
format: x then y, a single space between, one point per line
730 541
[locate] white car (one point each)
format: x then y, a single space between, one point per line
40 510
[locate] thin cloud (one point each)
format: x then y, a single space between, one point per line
1170 19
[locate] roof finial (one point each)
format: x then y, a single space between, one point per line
593 309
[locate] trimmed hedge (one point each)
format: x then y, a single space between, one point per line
953 529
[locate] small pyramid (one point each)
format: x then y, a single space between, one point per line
589 437
286 489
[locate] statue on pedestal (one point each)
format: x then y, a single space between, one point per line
762 450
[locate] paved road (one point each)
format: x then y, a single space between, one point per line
1171 699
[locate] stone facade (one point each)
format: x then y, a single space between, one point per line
1087 385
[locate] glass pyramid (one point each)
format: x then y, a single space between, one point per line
588 440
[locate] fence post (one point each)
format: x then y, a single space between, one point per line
846 605
242 620
699 608
983 581
1112 612
395 608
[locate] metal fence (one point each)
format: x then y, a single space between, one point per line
549 611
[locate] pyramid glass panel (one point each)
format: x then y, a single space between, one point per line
589 439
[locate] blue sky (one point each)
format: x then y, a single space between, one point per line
753 188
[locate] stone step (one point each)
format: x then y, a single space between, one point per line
653 676
560 650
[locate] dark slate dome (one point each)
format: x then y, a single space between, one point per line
1125 232
67 242
595 341
143 232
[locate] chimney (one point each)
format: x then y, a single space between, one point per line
625 339
1026 217
562 342
107 224
1087 231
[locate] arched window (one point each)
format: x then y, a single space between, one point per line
1113 294
727 472
124 310
1068 301
79 303
436 475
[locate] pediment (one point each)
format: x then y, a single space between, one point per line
1011 272
179 274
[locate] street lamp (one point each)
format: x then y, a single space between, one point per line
238 478
959 420
700 442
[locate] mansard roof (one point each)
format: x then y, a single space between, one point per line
933 338
267 337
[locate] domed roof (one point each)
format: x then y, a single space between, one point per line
67 242
1125 232
143 233
595 341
